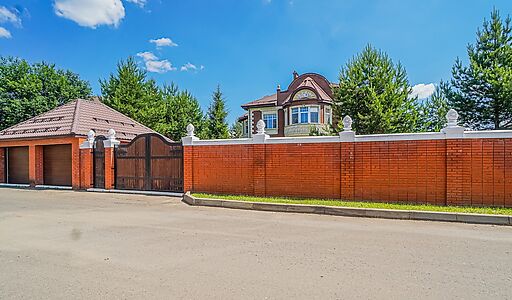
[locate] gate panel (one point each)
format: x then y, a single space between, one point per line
149 163
166 165
99 162
130 165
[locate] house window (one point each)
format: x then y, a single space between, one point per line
304 114
314 114
328 115
295 115
245 127
270 120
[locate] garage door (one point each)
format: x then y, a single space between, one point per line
17 165
57 165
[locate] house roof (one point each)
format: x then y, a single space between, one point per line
310 80
269 100
312 84
76 118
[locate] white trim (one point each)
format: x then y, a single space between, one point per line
400 137
303 140
135 192
489 134
53 187
243 141
348 136
14 185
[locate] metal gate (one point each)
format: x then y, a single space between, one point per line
149 163
99 162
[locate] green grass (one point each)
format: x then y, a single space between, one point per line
457 209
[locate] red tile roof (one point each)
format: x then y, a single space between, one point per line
76 118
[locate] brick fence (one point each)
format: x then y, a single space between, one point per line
452 167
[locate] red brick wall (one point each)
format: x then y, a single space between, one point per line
221 169
445 172
109 169
400 171
303 170
86 170
481 172
2 165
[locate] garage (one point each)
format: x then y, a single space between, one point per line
57 165
17 165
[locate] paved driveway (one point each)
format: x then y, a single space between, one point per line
62 245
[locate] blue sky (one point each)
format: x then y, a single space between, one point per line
246 46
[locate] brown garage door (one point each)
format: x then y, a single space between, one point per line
57 165
17 165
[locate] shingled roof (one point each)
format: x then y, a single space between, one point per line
76 118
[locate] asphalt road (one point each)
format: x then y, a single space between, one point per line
64 245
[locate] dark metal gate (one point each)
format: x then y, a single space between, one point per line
99 162
149 163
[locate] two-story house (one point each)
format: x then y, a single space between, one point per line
305 106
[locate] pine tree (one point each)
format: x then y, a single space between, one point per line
131 93
482 91
376 94
27 90
217 127
434 110
236 130
179 109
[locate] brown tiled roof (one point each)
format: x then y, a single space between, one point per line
76 118
269 100
309 82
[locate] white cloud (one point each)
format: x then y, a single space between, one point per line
8 16
4 33
147 56
163 42
90 13
159 66
153 64
140 3
191 67
423 90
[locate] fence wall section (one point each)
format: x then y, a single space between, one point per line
466 168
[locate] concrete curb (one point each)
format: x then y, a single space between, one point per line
353 211
147 193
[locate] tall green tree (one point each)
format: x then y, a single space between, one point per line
27 90
375 92
481 92
130 92
217 126
434 110
177 110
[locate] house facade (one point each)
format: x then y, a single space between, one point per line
304 107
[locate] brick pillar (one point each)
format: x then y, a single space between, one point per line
3 178
347 171
109 168
259 169
75 164
86 171
39 165
188 161
35 165
454 172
